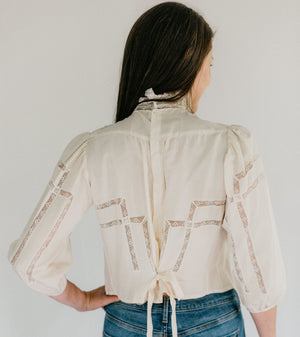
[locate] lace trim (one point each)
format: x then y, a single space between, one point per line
235 260
149 105
147 239
184 102
126 221
237 197
56 189
189 225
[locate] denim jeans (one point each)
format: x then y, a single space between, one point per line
212 315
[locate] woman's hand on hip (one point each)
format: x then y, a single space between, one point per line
97 298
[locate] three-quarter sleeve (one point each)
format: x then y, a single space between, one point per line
256 259
42 254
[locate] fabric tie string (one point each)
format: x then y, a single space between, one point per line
169 284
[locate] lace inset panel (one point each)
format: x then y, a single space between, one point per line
189 223
235 260
55 191
126 221
238 197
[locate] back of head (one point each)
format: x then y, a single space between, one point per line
164 50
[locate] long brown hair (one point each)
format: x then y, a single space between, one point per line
164 51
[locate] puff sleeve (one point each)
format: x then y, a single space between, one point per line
42 254
257 264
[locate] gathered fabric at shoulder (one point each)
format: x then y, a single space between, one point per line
42 254
242 161
257 264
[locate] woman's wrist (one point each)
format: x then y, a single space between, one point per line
85 303
84 300
73 297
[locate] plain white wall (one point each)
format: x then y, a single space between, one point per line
60 67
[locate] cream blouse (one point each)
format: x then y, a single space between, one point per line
183 207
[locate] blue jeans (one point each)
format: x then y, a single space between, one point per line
212 315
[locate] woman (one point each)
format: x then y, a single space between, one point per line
177 197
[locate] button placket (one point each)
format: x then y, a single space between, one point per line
157 171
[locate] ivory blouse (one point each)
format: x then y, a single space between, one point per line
183 207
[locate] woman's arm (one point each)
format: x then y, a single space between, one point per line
265 322
72 296
84 300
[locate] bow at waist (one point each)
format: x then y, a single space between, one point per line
169 284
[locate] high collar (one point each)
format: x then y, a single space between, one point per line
182 105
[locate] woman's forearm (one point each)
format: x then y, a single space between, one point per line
72 296
265 322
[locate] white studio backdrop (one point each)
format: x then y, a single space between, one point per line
60 64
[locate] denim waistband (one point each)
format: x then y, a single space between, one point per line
192 303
